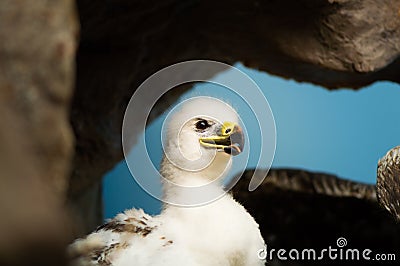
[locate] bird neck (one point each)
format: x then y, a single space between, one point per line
184 187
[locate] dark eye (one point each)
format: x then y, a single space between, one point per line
202 124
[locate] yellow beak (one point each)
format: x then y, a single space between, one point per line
229 139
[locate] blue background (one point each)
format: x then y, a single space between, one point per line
342 132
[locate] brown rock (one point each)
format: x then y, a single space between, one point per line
37 49
302 210
388 182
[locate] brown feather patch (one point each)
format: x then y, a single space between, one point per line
118 227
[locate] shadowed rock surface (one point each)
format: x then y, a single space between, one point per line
343 43
299 209
37 52
388 182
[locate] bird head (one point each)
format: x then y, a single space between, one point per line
201 136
